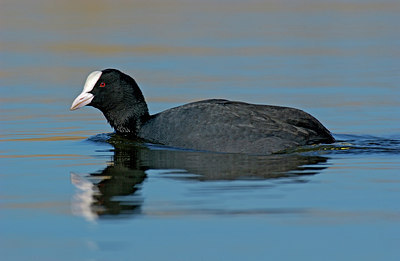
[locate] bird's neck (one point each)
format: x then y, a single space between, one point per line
128 119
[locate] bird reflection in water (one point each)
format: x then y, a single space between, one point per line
113 192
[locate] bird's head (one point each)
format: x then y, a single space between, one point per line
116 95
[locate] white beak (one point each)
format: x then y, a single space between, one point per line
83 99
86 97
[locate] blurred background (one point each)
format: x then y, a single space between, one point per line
338 60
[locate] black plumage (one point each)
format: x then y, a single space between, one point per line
210 125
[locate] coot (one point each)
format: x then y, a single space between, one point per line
211 125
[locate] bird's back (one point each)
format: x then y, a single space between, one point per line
236 127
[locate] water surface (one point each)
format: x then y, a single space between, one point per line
71 190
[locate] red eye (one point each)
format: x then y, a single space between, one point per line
103 84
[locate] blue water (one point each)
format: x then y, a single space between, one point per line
71 190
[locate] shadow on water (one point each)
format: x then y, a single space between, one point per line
111 192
